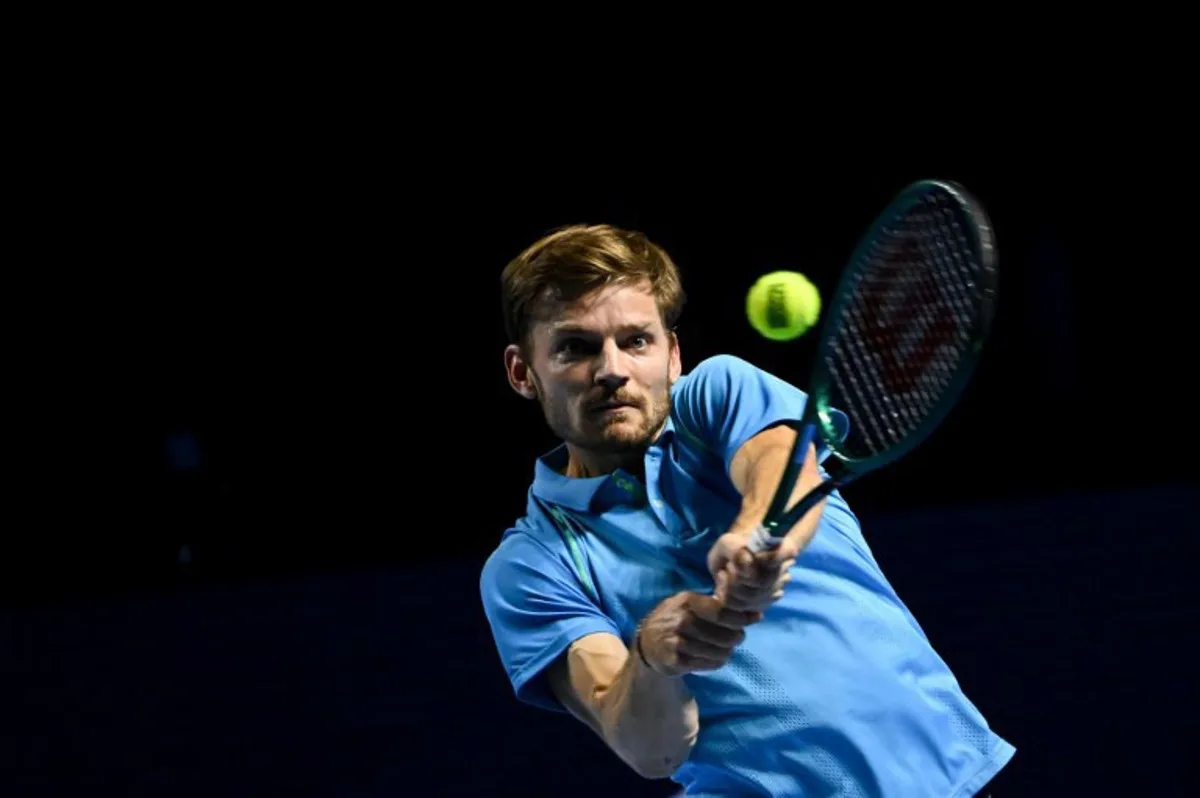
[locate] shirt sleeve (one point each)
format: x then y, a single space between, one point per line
536 608
725 401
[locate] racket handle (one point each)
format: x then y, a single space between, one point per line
764 538
761 539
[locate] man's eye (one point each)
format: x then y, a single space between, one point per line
639 342
571 346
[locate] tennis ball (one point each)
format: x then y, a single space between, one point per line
783 305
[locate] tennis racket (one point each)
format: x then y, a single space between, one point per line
898 344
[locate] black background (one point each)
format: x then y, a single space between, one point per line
317 321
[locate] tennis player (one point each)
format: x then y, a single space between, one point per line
625 594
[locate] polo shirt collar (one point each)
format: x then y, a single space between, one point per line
587 494
573 493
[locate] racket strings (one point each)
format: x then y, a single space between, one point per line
905 326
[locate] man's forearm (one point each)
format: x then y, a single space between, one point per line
651 720
756 474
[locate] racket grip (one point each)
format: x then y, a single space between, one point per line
761 539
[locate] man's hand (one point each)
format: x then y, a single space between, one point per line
746 581
755 580
691 632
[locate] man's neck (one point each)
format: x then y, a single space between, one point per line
583 464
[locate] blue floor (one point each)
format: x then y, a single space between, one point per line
1064 619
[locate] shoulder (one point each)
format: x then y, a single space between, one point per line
534 563
713 380
728 381
730 375
528 543
721 367
536 606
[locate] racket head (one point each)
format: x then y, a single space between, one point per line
906 325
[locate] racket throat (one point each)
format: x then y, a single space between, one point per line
791 472
782 524
772 530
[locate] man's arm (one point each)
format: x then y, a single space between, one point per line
649 720
736 411
739 413
756 469
752 581
638 702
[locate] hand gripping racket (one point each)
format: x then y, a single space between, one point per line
898 344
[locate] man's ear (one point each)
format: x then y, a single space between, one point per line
676 366
520 376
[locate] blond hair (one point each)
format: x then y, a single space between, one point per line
574 260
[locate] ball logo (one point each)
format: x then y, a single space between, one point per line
778 316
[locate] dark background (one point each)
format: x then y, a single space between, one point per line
276 446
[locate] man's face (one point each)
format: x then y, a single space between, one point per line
602 369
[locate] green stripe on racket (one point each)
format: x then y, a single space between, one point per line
898 344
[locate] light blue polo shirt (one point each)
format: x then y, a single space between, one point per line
837 692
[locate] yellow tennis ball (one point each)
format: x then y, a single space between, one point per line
783 305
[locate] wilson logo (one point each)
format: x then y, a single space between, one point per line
908 322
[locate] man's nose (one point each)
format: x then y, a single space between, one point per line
611 372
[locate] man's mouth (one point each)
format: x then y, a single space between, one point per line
605 407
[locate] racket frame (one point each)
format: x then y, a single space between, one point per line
816 422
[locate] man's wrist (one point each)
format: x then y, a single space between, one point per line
745 524
641 654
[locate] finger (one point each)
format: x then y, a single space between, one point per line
699 629
754 577
748 591
691 647
737 619
722 590
768 560
784 578
757 604
747 605
742 563
742 557
740 592
772 563
742 598
789 549
765 569
717 565
688 662
778 560
710 609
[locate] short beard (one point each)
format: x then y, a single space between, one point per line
559 421
638 440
